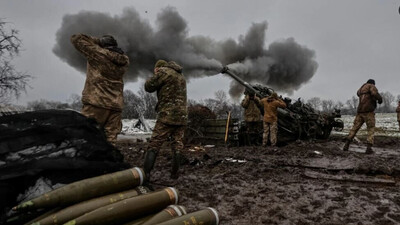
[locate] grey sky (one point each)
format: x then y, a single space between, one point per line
353 40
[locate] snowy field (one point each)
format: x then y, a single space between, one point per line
128 127
386 125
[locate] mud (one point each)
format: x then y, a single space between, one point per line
254 185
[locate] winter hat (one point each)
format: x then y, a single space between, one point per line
371 81
160 63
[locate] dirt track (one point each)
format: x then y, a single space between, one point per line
254 185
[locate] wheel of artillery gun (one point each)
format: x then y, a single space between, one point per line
311 130
289 131
339 128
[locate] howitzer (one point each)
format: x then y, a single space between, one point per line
297 120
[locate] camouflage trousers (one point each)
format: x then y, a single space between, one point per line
270 133
361 118
109 120
164 133
252 132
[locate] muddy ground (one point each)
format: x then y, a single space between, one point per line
306 182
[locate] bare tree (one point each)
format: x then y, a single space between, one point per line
12 82
131 105
192 102
43 104
147 104
75 102
315 102
338 105
352 104
221 103
387 101
327 105
236 110
210 103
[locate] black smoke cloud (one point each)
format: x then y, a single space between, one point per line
284 65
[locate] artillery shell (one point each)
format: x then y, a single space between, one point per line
87 189
139 221
168 213
79 209
44 215
129 209
207 216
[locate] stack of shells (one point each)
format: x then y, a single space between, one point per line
116 198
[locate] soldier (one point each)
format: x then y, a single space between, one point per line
398 113
102 96
368 96
170 85
252 116
271 105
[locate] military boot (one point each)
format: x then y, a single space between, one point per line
149 160
347 145
176 161
369 149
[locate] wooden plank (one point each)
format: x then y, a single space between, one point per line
347 178
217 130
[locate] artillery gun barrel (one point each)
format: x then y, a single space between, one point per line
226 70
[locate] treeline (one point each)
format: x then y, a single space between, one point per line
349 107
144 103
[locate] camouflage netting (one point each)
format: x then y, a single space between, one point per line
61 145
198 113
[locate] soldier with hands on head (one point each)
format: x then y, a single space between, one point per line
368 97
252 116
271 105
170 84
102 96
398 113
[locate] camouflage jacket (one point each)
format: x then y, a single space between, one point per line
368 96
105 69
271 106
170 85
251 111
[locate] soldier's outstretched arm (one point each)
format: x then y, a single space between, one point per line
375 94
155 81
87 45
258 102
281 103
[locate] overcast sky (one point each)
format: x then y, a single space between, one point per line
353 40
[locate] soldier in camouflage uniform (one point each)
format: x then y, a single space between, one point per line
368 96
252 117
271 105
170 85
398 113
102 96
